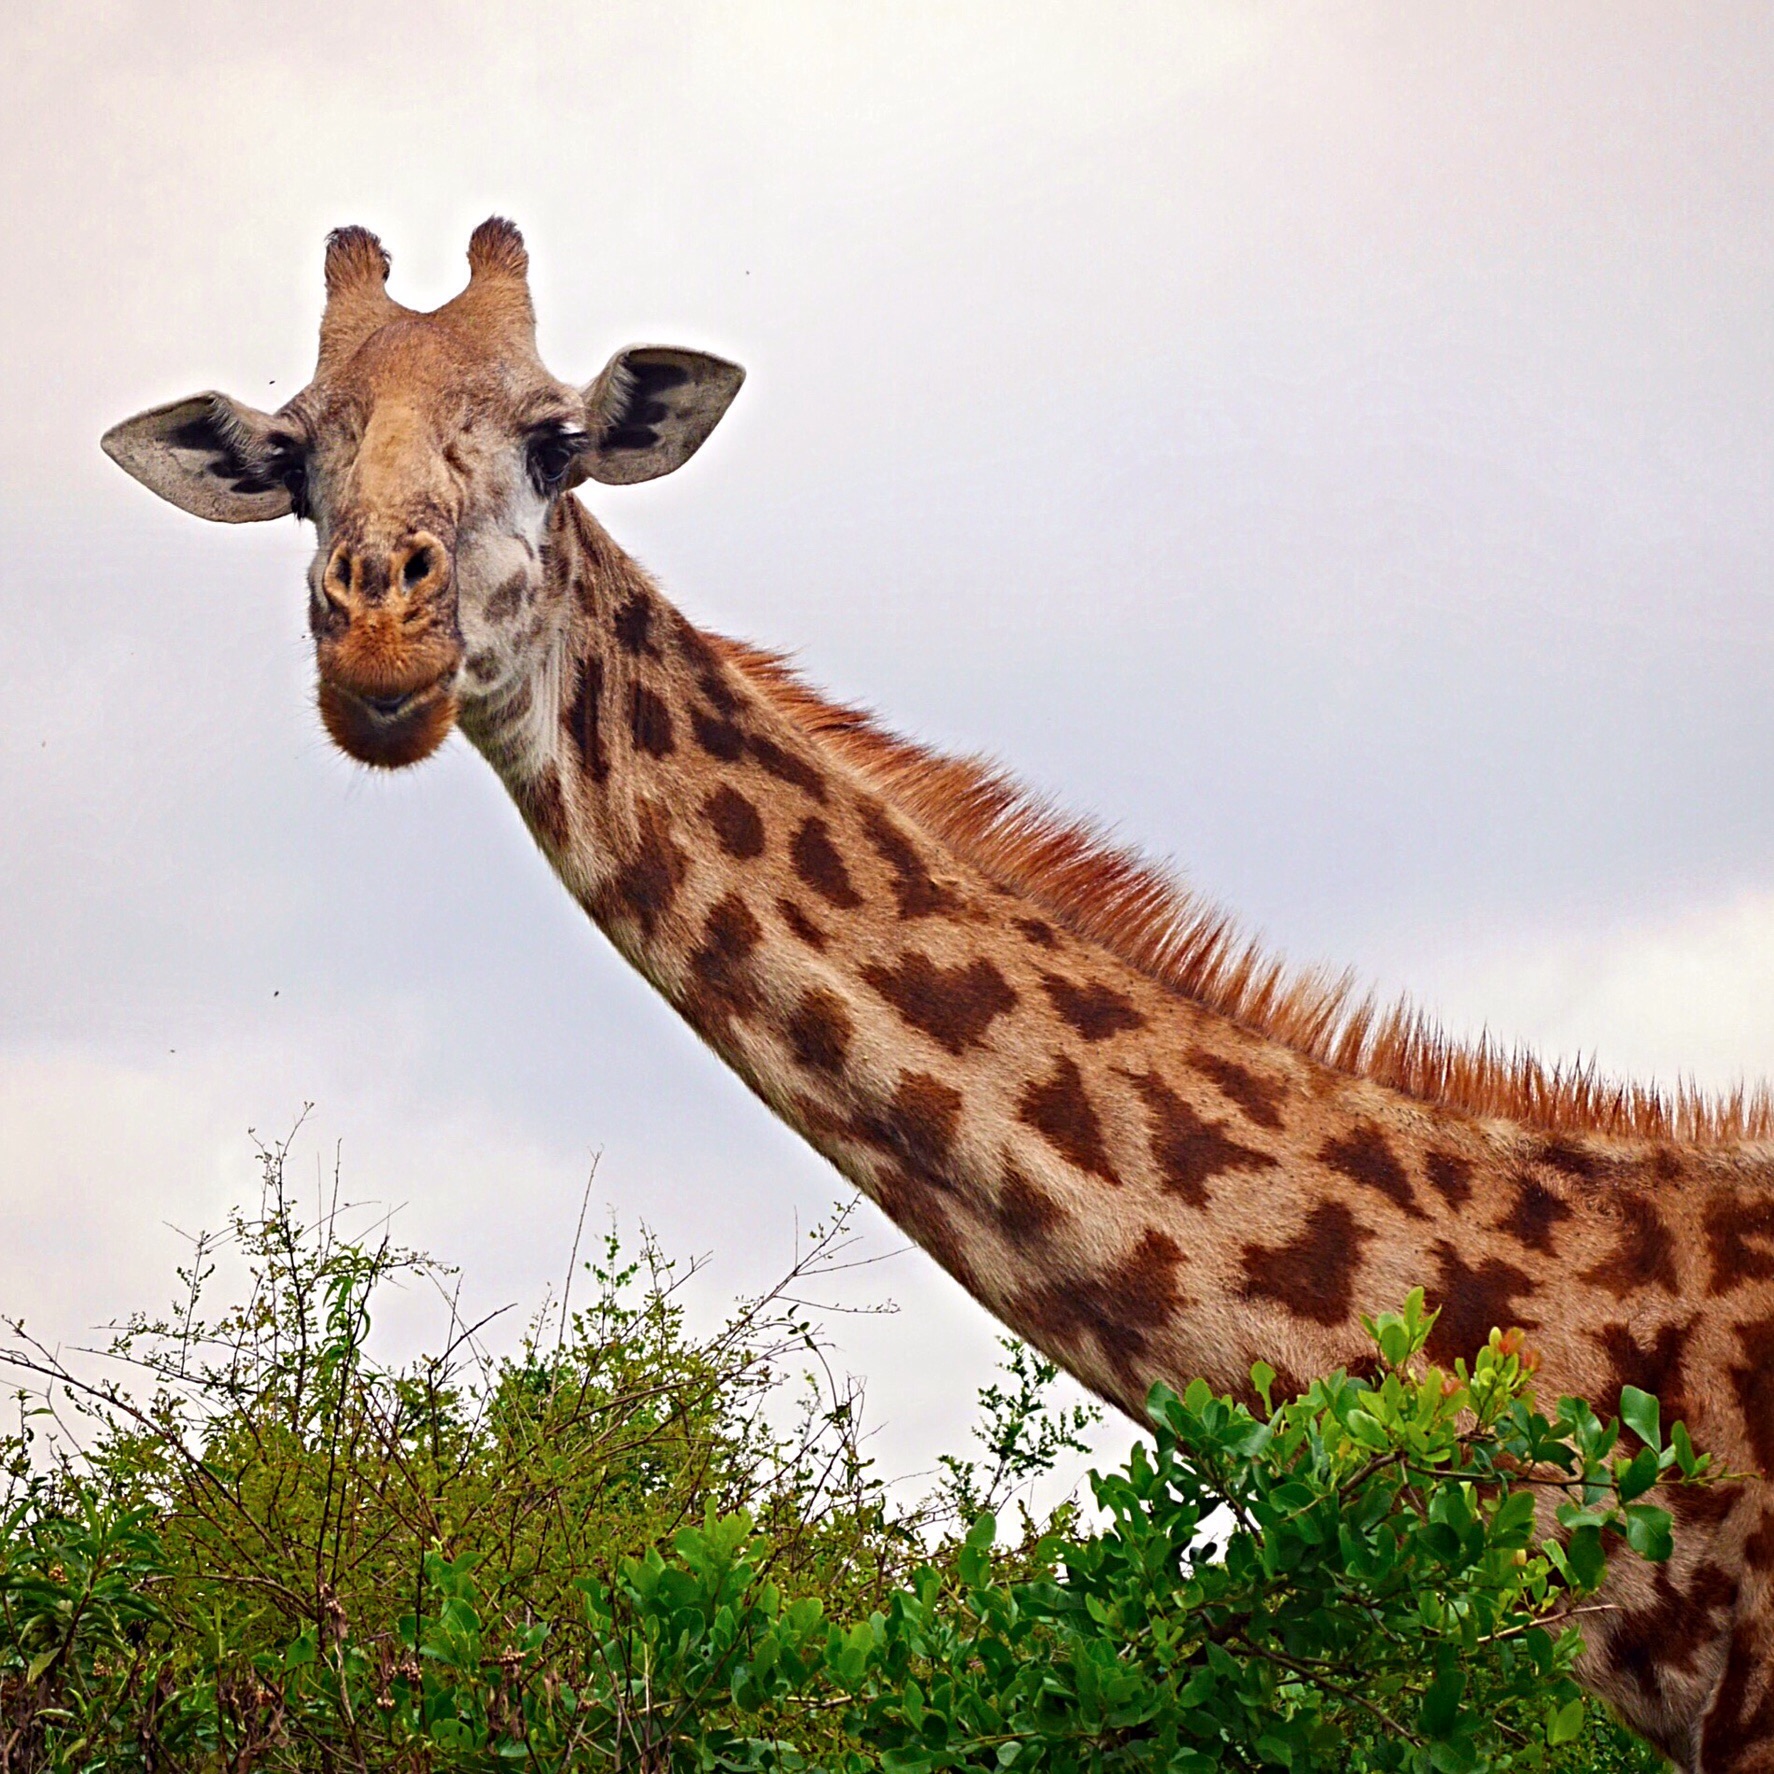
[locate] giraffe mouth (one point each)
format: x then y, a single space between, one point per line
391 708
389 729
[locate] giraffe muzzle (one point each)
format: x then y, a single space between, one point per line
389 729
387 645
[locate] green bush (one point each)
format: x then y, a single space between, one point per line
632 1547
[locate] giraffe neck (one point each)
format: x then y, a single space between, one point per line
1141 1188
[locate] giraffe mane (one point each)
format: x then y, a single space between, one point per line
1142 912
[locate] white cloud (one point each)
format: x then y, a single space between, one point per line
1689 995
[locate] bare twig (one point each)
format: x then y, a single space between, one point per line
573 1259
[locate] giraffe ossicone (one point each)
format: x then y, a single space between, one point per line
1132 1137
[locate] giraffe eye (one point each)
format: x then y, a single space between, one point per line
295 478
551 456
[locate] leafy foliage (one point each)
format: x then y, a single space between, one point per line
618 1549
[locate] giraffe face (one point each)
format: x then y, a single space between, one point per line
429 464
428 451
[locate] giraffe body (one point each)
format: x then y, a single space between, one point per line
1144 1151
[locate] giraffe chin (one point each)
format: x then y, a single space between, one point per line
389 732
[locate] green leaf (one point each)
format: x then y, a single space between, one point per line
1450 1756
1648 1532
1368 1431
1514 1518
1198 1690
1566 1725
1684 1449
1584 1557
1262 1378
975 1562
1441 1702
1639 1412
1637 1475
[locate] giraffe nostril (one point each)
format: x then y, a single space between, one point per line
418 566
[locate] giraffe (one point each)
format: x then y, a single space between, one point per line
1139 1142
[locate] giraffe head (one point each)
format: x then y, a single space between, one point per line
428 451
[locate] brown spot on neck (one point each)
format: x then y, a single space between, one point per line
633 625
787 766
917 893
1186 1150
1313 1274
1701 1506
954 1006
818 863
1758 1549
1094 1011
585 717
722 965
1364 1157
1644 1256
801 926
540 801
719 738
1535 1213
1472 1302
918 1125
1258 1098
1737 1724
925 1214
649 722
737 827
1753 1383
1450 1177
1569 1159
819 1032
646 884
1124 1310
1059 1109
1653 1365
1648 1644
1732 1221
1025 1214
712 675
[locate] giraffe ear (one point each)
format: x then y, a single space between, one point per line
651 408
212 457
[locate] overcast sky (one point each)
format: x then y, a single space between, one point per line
1330 442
